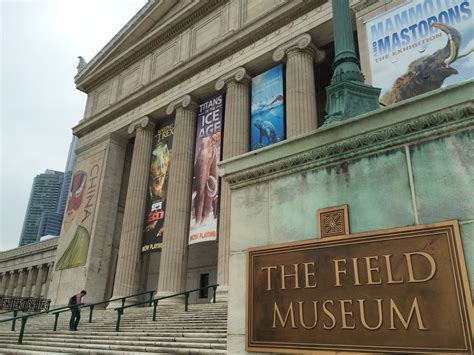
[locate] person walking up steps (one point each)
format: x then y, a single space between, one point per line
74 303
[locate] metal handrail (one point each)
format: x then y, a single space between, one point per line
24 318
62 309
155 303
92 305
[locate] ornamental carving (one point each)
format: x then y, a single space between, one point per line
239 75
418 128
186 102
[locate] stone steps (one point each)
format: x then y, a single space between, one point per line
202 330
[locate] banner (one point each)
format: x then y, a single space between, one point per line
205 197
267 115
421 46
80 208
157 186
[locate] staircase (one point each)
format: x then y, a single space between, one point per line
201 330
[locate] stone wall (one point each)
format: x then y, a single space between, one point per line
399 166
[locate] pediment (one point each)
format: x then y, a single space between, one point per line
141 27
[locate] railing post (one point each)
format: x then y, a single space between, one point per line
155 304
186 301
22 330
151 297
90 313
119 314
15 313
56 316
123 301
214 288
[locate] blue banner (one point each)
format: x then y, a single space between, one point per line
267 116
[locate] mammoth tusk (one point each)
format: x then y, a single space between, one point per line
211 186
453 50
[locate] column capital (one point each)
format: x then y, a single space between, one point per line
50 264
185 102
300 43
11 272
39 267
239 75
142 123
29 268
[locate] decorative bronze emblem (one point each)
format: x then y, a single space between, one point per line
401 290
333 221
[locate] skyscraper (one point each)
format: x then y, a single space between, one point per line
51 221
44 197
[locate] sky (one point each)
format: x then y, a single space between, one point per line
39 104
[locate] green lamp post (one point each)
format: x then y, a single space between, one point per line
347 95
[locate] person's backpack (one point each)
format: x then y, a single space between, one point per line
72 301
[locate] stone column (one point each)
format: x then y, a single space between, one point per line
300 54
3 285
236 141
39 282
19 285
29 282
128 264
48 279
173 264
11 283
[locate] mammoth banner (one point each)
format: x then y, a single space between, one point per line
205 195
157 186
421 46
80 210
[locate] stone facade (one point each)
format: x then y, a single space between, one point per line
26 271
392 167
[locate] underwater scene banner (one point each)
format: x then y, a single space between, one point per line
155 207
80 210
420 46
207 153
267 113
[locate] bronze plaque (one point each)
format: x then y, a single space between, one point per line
397 290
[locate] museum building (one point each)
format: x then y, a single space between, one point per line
216 134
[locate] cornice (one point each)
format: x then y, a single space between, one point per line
29 249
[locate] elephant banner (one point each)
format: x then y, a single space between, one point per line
205 196
421 46
155 207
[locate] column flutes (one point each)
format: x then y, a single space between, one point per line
172 278
128 264
19 286
29 282
300 99
48 279
11 284
236 141
39 282
3 285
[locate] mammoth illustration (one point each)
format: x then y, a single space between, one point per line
428 72
206 178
